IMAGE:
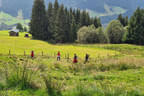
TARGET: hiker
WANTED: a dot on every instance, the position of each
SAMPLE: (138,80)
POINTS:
(75,59)
(32,54)
(58,56)
(86,58)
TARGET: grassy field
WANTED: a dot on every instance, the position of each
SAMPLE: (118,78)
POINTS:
(18,45)
(113,70)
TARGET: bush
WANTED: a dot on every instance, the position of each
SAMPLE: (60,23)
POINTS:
(91,35)
(115,32)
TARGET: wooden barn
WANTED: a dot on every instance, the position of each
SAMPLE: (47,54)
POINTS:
(14,32)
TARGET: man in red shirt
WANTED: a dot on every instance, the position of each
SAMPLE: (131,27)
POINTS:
(75,59)
(58,56)
(32,54)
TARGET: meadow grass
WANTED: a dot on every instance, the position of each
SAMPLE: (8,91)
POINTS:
(106,77)
(18,45)
(113,70)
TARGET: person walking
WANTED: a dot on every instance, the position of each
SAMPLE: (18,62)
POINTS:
(75,59)
(32,54)
(86,58)
(58,56)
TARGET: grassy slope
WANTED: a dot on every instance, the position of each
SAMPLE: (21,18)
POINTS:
(110,11)
(20,44)
(10,20)
(120,75)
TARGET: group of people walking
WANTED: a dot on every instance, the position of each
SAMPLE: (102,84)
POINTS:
(75,58)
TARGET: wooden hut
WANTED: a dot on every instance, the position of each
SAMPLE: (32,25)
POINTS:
(14,32)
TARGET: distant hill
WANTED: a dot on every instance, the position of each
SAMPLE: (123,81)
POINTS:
(7,21)
(106,9)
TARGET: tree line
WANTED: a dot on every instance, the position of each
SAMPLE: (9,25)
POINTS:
(58,24)
(21,28)
(122,30)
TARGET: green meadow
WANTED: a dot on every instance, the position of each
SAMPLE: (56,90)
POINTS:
(18,45)
(112,70)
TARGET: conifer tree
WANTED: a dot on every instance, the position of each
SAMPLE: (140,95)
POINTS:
(77,19)
(97,22)
(136,28)
(126,21)
(67,25)
(50,20)
(73,30)
(38,24)
(58,23)
(60,34)
(123,20)
(83,18)
(56,7)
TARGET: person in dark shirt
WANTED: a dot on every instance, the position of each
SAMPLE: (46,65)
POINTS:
(86,58)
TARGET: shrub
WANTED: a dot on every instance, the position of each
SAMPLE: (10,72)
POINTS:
(115,32)
(91,35)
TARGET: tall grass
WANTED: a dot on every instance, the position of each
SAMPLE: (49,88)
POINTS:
(19,73)
(64,78)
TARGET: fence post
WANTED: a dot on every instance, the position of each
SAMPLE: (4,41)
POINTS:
(68,58)
(65,56)
(42,53)
(24,53)
(9,52)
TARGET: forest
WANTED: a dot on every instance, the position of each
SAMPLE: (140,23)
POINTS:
(59,24)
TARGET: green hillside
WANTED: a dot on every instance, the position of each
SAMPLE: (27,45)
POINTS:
(109,11)
(20,44)
(112,70)
(10,20)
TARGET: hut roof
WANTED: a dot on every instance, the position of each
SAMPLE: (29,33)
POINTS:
(14,30)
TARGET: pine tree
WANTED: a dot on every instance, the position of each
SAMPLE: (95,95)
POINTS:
(123,20)
(83,18)
(67,26)
(38,24)
(136,28)
(87,21)
(97,22)
(58,23)
(60,34)
(73,30)
(126,21)
(77,19)
(56,7)
(50,21)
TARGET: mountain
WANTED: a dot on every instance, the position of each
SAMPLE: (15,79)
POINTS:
(106,9)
